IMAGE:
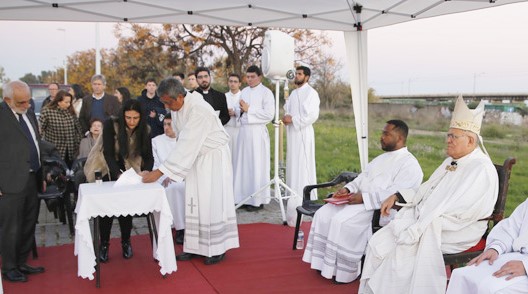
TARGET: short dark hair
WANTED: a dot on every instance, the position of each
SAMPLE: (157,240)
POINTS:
(125,93)
(306,70)
(151,80)
(400,126)
(200,69)
(234,75)
(191,74)
(254,69)
(178,74)
(167,116)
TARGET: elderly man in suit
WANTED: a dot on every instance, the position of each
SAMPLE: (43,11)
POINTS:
(99,105)
(19,163)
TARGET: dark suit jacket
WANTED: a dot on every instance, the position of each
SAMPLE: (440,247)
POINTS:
(111,107)
(14,151)
(218,101)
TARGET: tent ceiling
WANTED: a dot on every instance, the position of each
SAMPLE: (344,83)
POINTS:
(312,14)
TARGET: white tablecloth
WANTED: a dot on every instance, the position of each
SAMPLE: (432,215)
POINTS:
(105,200)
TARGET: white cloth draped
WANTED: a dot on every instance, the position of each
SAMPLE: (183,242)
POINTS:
(106,200)
(233,125)
(442,217)
(303,106)
(202,157)
(252,164)
(162,145)
(510,238)
(329,248)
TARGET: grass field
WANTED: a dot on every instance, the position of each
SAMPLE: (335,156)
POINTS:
(336,149)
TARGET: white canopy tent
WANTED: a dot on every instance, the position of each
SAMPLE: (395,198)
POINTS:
(354,18)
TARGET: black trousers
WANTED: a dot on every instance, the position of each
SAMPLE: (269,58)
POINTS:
(105,226)
(18,217)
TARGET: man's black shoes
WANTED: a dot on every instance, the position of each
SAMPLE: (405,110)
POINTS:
(103,253)
(127,250)
(14,276)
(29,270)
(185,256)
(180,235)
(214,259)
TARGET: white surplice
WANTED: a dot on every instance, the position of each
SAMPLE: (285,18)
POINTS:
(162,146)
(442,217)
(233,125)
(202,157)
(303,106)
(339,233)
(510,239)
(252,164)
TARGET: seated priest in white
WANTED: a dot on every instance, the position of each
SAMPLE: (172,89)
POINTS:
(162,145)
(502,267)
(441,217)
(339,233)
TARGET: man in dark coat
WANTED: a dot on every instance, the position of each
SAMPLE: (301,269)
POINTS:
(216,99)
(98,105)
(152,108)
(19,164)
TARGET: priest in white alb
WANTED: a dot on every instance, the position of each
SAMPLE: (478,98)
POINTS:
(201,156)
(339,233)
(441,217)
(233,107)
(301,111)
(162,145)
(252,163)
(503,265)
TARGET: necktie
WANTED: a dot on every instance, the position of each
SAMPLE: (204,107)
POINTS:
(33,154)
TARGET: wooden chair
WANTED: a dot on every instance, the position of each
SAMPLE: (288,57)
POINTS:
(309,207)
(504,172)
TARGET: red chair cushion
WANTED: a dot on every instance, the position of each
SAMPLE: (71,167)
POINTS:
(478,247)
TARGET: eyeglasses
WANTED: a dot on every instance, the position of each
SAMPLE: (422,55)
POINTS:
(453,136)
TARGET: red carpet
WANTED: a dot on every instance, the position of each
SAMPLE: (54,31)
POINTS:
(264,263)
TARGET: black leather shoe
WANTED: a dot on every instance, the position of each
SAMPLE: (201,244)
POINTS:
(180,236)
(28,270)
(254,208)
(14,276)
(214,259)
(127,250)
(103,253)
(185,256)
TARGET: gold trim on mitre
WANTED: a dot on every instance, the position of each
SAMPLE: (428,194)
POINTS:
(466,119)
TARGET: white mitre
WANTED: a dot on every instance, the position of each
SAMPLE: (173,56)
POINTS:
(467,119)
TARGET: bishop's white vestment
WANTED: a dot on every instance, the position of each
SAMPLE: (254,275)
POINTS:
(202,157)
(510,239)
(233,125)
(339,233)
(441,217)
(252,164)
(162,145)
(303,106)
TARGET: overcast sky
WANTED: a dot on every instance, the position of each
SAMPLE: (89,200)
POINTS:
(483,51)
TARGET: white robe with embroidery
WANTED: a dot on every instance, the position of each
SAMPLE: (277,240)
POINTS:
(442,217)
(252,165)
(202,157)
(233,125)
(510,238)
(339,233)
(162,146)
(303,106)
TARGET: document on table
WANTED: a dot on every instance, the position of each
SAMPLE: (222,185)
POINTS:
(128,178)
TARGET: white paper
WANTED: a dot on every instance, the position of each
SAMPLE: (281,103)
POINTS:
(128,178)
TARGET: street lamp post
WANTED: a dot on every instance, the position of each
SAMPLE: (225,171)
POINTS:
(65,60)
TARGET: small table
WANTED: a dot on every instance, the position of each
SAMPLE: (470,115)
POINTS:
(97,200)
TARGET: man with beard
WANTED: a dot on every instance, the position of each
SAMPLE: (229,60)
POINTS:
(339,233)
(216,99)
(301,111)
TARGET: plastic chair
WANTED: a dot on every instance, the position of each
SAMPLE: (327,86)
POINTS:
(309,207)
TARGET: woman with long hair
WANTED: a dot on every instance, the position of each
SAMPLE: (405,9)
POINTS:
(59,125)
(126,144)
(122,94)
(77,94)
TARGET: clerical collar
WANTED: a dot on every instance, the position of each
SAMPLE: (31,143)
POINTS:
(452,166)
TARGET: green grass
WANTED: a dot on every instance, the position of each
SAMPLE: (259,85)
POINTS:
(336,149)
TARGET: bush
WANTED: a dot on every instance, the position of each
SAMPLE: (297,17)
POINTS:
(494,131)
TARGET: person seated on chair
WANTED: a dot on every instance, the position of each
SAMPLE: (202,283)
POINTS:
(126,144)
(507,260)
(96,128)
(162,145)
(329,248)
(442,217)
